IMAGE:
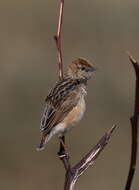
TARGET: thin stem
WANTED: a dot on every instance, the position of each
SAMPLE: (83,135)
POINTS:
(57,38)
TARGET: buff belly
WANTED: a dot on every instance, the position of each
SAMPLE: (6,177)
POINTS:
(76,114)
(72,118)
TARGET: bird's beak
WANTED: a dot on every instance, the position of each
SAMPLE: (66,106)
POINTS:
(94,69)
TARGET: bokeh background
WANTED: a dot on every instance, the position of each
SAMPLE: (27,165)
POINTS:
(99,30)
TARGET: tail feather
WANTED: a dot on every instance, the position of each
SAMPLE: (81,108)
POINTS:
(42,143)
(44,140)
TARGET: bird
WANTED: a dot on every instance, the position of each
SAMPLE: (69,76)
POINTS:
(65,104)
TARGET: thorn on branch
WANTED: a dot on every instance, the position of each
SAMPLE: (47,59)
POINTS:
(55,38)
(134,63)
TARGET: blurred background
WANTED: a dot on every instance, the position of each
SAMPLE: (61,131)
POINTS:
(99,30)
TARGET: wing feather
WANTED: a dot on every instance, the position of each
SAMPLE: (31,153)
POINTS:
(60,101)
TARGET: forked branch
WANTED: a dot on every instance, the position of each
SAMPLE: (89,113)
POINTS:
(134,127)
(73,173)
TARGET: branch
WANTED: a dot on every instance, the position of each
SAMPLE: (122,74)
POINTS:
(57,38)
(134,127)
(72,174)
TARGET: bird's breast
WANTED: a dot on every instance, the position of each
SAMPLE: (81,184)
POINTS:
(76,114)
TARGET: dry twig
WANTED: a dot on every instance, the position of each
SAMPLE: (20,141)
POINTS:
(134,127)
(57,38)
(73,173)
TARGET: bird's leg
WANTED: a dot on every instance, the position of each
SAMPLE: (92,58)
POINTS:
(63,150)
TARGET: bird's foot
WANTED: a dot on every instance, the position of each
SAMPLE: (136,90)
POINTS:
(63,150)
(63,154)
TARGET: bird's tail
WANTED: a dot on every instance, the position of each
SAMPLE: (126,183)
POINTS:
(44,140)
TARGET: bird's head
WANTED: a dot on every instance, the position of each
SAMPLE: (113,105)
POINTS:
(80,69)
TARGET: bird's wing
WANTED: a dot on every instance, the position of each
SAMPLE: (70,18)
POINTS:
(61,100)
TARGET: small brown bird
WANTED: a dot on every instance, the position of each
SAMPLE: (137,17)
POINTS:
(65,104)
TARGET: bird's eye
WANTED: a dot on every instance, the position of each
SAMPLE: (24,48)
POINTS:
(83,68)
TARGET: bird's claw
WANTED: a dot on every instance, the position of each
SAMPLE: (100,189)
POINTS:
(62,155)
